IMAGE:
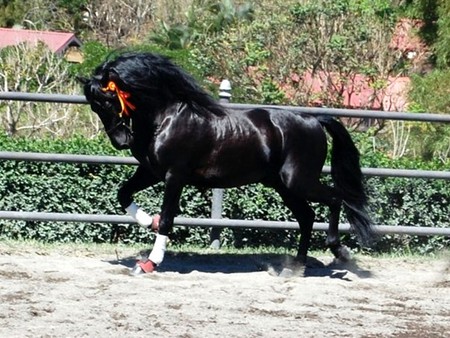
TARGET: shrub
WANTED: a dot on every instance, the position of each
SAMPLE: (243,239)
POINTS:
(86,188)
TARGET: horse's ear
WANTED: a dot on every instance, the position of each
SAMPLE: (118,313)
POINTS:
(83,80)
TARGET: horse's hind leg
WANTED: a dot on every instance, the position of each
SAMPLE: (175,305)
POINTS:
(339,251)
(314,191)
(328,196)
(305,218)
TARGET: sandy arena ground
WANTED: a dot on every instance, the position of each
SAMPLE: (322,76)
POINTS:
(52,293)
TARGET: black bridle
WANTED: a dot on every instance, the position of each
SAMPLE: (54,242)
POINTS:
(122,122)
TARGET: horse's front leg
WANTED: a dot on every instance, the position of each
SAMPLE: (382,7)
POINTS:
(169,209)
(140,180)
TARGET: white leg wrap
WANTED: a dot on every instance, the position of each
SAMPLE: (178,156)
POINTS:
(139,215)
(157,254)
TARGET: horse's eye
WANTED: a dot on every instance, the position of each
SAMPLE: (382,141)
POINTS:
(108,105)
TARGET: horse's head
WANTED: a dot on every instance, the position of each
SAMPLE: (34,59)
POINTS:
(111,104)
(142,85)
(152,82)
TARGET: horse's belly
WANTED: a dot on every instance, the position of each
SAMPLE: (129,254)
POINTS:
(215,177)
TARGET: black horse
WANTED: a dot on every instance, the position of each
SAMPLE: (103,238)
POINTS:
(182,136)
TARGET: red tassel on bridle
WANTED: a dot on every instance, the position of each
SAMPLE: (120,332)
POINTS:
(123,98)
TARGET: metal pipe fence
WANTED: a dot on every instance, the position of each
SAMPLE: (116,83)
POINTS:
(214,221)
(103,159)
(338,112)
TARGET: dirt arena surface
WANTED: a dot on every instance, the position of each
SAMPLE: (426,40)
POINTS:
(58,293)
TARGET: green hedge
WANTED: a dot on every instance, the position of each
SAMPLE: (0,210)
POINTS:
(86,188)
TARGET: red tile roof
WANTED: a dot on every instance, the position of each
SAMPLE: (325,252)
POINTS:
(357,91)
(58,42)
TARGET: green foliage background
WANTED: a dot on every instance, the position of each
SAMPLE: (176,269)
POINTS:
(85,188)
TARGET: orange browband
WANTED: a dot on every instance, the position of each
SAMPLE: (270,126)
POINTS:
(123,98)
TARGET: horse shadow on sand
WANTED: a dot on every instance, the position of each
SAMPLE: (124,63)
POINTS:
(275,264)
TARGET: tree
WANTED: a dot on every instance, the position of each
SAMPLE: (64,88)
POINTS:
(10,14)
(202,17)
(430,91)
(442,44)
(270,55)
(42,14)
(38,70)
(340,40)
(117,23)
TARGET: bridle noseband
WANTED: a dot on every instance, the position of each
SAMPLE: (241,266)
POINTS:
(121,122)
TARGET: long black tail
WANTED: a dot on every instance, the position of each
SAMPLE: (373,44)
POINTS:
(347,178)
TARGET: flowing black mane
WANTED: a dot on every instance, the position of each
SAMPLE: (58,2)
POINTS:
(157,82)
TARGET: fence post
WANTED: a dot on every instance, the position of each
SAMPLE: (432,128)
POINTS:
(217,194)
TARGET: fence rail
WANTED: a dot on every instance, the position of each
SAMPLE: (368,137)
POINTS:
(338,112)
(102,159)
(217,222)
(213,223)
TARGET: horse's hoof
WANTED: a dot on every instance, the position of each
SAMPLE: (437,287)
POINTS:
(293,267)
(344,254)
(143,267)
(292,271)
(155,223)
